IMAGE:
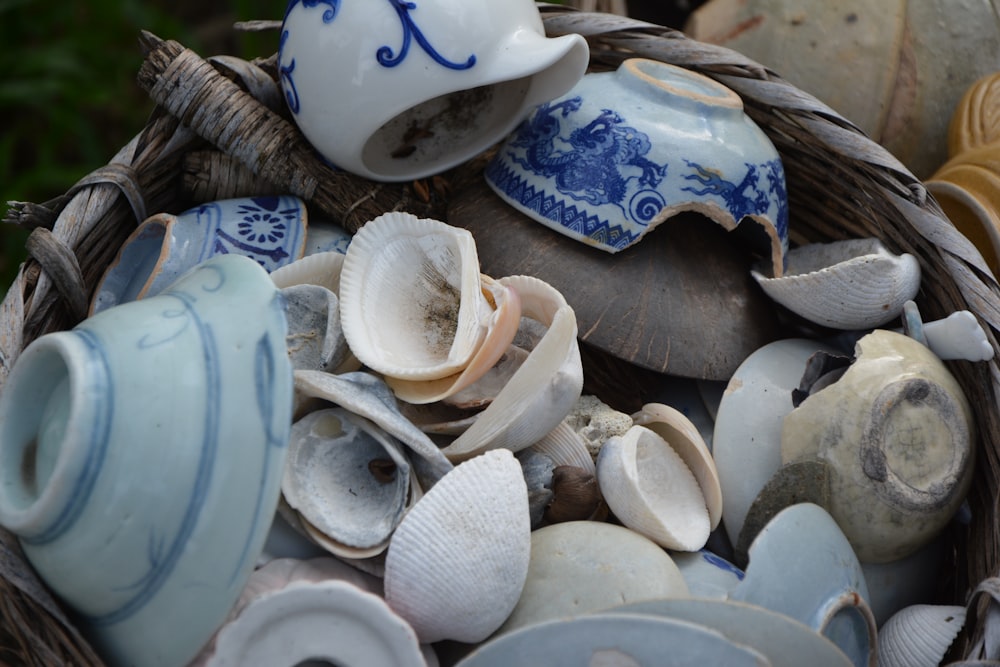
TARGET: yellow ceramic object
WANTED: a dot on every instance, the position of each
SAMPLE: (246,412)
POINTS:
(976,120)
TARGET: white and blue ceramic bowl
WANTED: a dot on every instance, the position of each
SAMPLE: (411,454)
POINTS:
(269,230)
(141,456)
(625,150)
(395,90)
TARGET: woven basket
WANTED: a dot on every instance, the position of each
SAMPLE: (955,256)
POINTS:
(220,130)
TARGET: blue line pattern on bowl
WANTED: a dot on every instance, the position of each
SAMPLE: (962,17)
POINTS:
(266,232)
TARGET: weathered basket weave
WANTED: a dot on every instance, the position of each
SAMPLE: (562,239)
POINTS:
(219,131)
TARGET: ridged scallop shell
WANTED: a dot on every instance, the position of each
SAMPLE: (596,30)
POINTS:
(542,390)
(685,439)
(565,447)
(368,396)
(651,490)
(919,635)
(321,269)
(976,119)
(459,559)
(501,326)
(347,479)
(411,299)
(850,284)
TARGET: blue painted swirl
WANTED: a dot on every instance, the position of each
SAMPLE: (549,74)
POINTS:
(385,55)
(285,74)
(646,205)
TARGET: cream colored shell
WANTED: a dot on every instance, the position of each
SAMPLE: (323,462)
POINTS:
(850,284)
(459,559)
(651,490)
(919,635)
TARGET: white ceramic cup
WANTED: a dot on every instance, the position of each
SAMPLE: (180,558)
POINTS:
(395,90)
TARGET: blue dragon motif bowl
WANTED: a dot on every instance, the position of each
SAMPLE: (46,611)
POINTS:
(623,151)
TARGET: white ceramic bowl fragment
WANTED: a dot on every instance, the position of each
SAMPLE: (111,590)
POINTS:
(395,91)
(458,560)
(802,565)
(897,431)
(625,150)
(142,454)
(746,444)
(849,284)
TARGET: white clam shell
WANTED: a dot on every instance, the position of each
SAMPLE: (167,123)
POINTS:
(368,396)
(565,447)
(411,300)
(542,390)
(685,439)
(459,559)
(347,478)
(501,326)
(321,269)
(919,635)
(482,392)
(651,490)
(849,284)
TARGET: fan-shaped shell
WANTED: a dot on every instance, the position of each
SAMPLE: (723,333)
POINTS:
(685,439)
(347,479)
(565,447)
(411,299)
(919,635)
(545,387)
(652,491)
(459,559)
(850,284)
(501,326)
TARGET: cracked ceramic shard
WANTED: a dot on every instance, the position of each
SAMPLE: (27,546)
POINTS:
(366,395)
(411,298)
(919,634)
(501,325)
(651,490)
(685,439)
(545,387)
(898,433)
(347,478)
(850,284)
(457,562)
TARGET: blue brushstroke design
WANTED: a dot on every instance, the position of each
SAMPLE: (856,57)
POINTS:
(385,55)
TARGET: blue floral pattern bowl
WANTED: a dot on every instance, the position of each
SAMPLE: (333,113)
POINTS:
(625,150)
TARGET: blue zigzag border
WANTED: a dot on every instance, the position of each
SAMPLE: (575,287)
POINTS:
(570,218)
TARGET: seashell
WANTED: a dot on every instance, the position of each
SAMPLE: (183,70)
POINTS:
(321,269)
(439,418)
(482,392)
(347,479)
(576,496)
(542,390)
(368,396)
(501,326)
(850,284)
(975,121)
(685,439)
(411,298)
(315,340)
(457,562)
(651,490)
(919,635)
(566,447)
(537,470)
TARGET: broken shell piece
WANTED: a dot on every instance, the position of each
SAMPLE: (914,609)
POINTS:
(542,390)
(685,439)
(321,269)
(566,447)
(347,478)
(919,635)
(482,392)
(458,561)
(501,326)
(366,395)
(651,490)
(315,340)
(850,284)
(411,299)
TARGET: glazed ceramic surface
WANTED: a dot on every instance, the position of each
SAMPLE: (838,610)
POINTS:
(897,431)
(801,565)
(707,575)
(142,455)
(625,150)
(394,90)
(619,640)
(270,230)
(781,639)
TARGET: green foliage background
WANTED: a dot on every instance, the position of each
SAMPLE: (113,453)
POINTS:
(68,96)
